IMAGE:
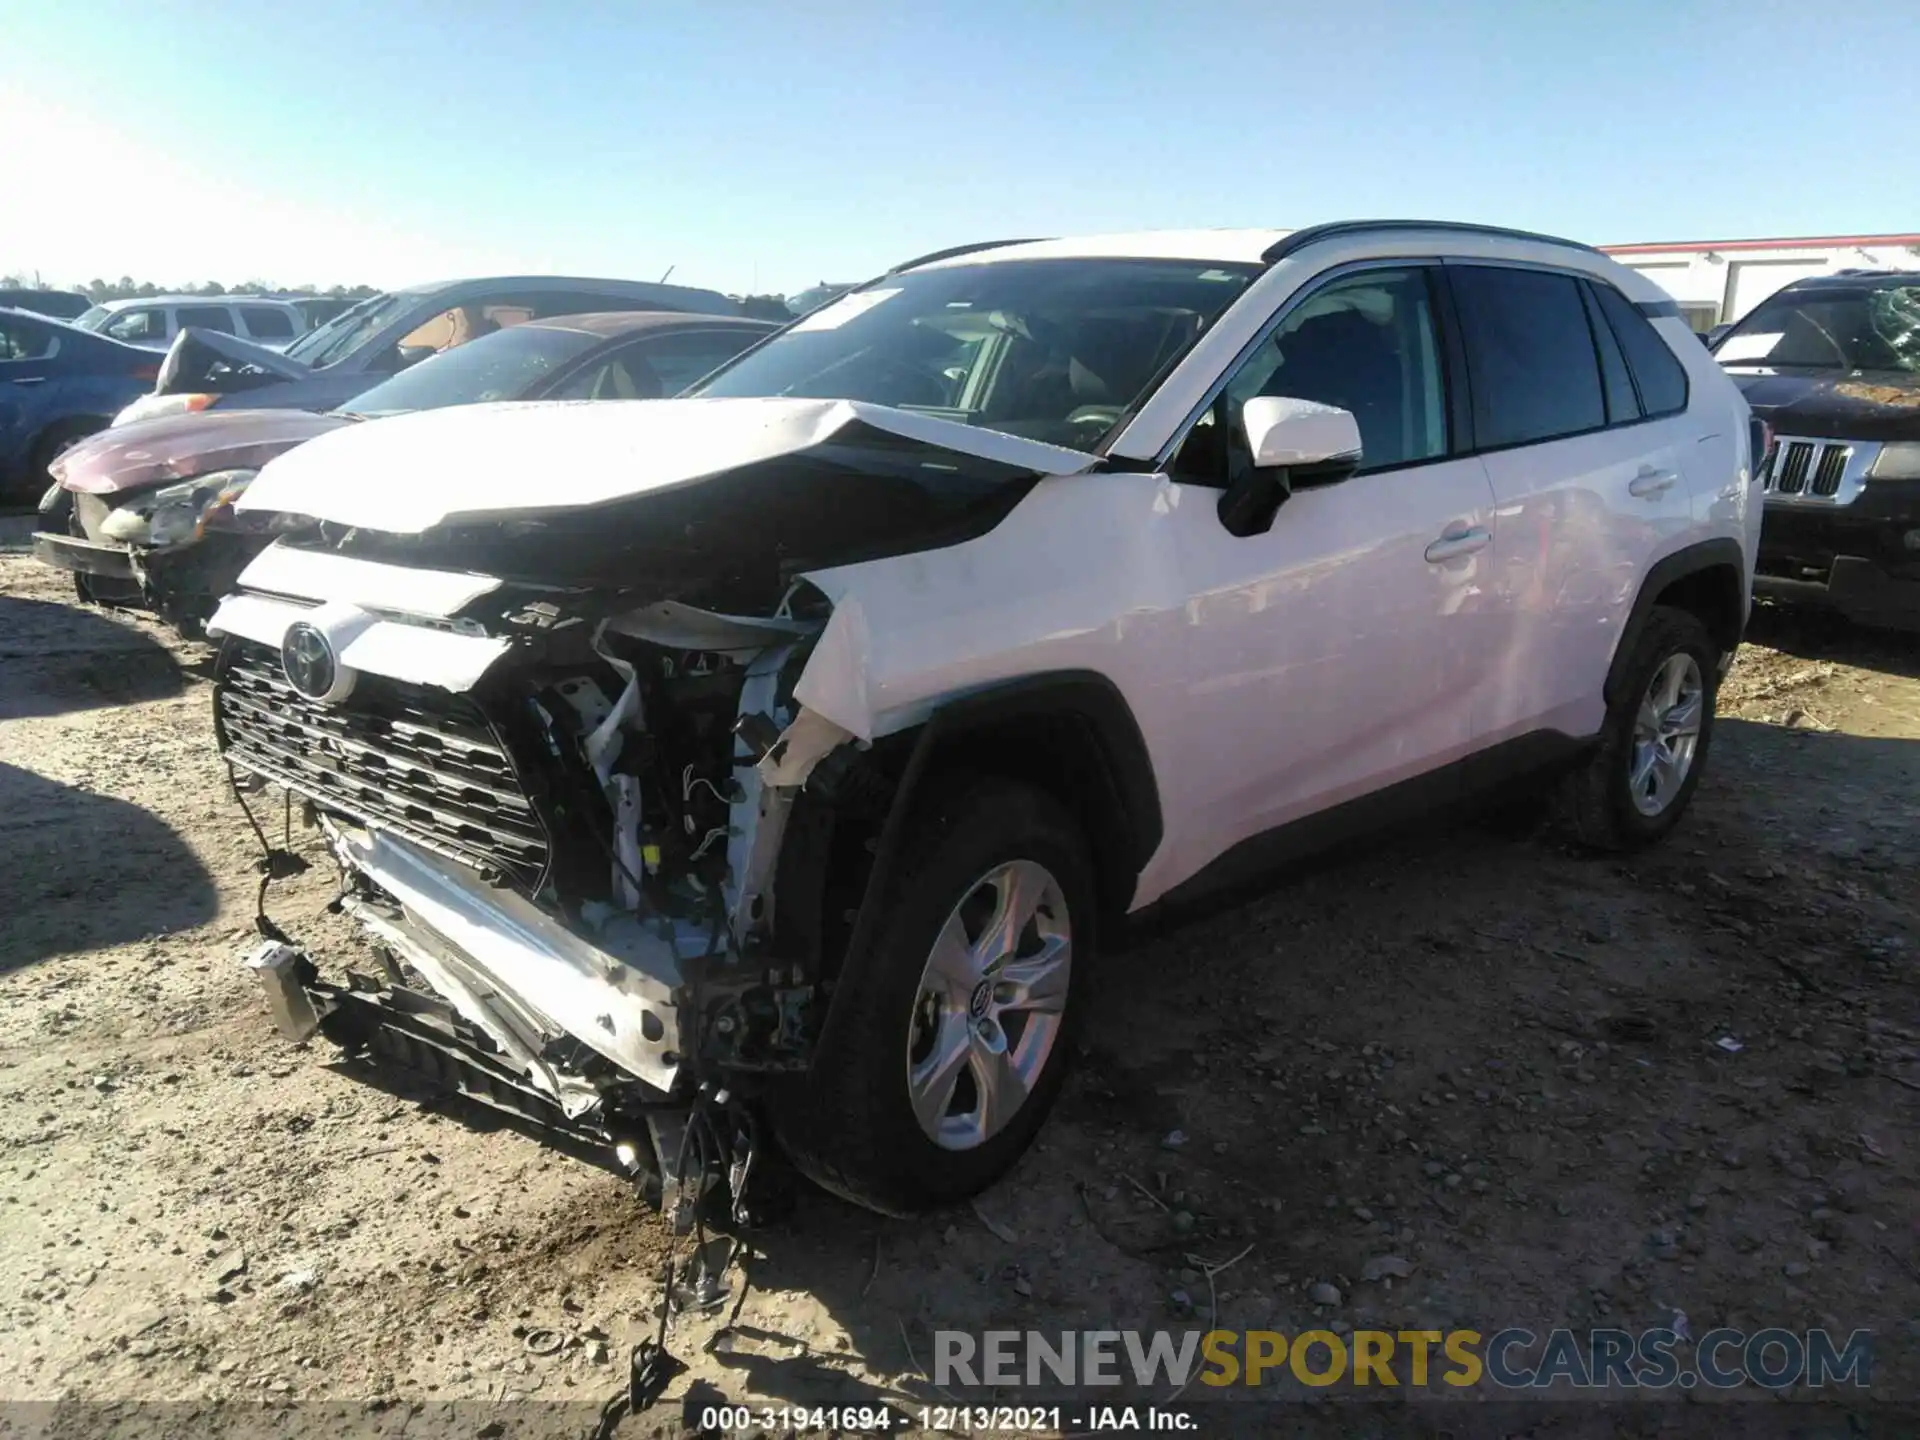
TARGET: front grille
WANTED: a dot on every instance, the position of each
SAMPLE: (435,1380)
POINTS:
(416,760)
(1826,475)
(1790,474)
(1815,470)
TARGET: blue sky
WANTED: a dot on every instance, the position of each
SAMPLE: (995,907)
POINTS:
(772,146)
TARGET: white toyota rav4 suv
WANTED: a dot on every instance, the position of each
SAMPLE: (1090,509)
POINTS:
(768,763)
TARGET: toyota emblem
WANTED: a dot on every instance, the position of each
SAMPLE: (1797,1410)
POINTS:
(307,659)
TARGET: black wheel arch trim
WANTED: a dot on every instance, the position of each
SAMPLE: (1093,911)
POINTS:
(1082,695)
(1718,553)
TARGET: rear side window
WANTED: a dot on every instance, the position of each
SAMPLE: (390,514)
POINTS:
(1623,405)
(266,322)
(1659,375)
(207,317)
(1530,354)
(21,340)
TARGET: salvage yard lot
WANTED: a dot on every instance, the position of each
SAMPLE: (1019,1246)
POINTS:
(1488,1057)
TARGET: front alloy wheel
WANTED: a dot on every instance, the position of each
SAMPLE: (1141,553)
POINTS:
(952,1028)
(990,1003)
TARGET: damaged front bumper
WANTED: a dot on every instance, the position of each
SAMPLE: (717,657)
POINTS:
(183,583)
(517,1013)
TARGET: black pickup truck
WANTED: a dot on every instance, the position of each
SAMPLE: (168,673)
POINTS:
(1833,366)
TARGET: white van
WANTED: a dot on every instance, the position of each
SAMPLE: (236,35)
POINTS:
(153,321)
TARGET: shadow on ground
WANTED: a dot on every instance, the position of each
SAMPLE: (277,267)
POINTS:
(104,872)
(57,658)
(1821,635)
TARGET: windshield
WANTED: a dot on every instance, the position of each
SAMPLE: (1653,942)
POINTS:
(502,366)
(1053,350)
(93,318)
(1876,327)
(340,335)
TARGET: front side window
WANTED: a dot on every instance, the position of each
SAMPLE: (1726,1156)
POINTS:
(1874,327)
(1531,360)
(1055,350)
(267,322)
(659,366)
(503,366)
(137,326)
(1367,343)
(205,317)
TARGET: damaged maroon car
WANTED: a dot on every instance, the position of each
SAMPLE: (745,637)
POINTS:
(143,513)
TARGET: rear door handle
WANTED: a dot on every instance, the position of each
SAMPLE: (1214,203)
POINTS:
(1650,483)
(1455,543)
(29,379)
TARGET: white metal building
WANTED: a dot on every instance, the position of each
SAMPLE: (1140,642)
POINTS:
(1721,280)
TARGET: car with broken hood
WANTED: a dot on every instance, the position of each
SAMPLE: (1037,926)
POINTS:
(384,334)
(143,513)
(1833,365)
(768,764)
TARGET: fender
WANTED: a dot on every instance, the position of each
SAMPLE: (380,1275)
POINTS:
(1091,714)
(1719,552)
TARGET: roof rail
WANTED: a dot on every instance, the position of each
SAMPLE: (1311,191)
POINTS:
(1300,239)
(956,250)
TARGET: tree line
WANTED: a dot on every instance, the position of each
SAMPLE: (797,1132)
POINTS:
(127,288)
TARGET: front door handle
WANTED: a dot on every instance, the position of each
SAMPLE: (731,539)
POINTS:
(1650,483)
(29,379)
(1455,543)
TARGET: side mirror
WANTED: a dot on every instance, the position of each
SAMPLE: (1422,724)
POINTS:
(1289,442)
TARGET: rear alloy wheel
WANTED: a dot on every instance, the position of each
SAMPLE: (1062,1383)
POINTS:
(953,1029)
(1653,746)
(1666,734)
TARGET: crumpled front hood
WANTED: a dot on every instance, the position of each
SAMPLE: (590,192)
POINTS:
(473,463)
(1860,405)
(170,448)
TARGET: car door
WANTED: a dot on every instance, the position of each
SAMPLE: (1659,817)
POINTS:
(1339,652)
(1589,487)
(29,387)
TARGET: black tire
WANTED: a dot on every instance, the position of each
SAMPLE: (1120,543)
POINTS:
(1596,803)
(848,1124)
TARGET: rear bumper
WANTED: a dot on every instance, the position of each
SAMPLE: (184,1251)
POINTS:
(84,557)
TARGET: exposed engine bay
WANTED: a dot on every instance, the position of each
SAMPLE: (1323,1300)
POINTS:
(607,954)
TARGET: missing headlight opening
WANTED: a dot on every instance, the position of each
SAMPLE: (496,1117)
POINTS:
(598,890)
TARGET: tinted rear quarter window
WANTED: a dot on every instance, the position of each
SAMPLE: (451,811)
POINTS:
(207,317)
(1661,378)
(1623,405)
(1530,355)
(266,322)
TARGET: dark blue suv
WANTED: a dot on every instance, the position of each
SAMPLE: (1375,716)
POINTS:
(57,385)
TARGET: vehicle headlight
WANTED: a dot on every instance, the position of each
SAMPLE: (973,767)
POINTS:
(1898,461)
(182,512)
(148,407)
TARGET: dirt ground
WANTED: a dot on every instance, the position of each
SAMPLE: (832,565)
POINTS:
(1565,1091)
